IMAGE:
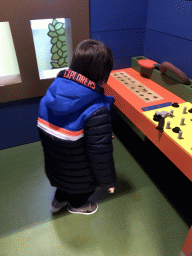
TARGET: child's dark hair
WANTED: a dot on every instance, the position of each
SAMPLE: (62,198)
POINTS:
(94,60)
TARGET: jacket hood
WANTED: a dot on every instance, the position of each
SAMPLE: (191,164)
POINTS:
(65,97)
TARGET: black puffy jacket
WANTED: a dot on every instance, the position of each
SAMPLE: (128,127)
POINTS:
(75,129)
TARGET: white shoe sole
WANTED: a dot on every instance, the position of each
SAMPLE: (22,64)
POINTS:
(85,213)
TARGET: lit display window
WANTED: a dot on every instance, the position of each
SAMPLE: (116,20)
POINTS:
(53,45)
(9,69)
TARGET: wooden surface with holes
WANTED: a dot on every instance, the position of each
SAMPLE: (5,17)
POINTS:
(139,89)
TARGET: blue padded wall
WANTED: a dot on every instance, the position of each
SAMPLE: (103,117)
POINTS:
(169,33)
(117,15)
(124,44)
(173,17)
(19,125)
(121,25)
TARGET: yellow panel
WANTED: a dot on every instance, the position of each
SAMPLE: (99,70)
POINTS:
(186,140)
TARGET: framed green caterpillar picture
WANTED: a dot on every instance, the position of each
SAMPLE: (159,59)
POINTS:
(59,44)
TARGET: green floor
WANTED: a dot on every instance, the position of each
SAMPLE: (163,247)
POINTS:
(137,220)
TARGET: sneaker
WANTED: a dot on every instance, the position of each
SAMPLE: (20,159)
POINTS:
(56,205)
(88,208)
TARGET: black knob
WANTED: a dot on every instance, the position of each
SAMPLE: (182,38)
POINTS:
(176,129)
(190,110)
(175,105)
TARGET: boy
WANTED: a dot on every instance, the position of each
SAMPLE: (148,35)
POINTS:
(74,125)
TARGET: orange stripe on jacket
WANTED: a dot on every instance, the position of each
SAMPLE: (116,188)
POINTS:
(59,129)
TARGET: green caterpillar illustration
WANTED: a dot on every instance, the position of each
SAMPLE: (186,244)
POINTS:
(59,48)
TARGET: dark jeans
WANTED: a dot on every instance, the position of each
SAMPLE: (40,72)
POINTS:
(75,200)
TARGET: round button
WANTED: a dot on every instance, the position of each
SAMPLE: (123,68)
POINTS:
(175,105)
(176,129)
